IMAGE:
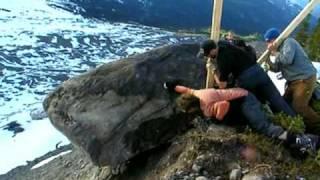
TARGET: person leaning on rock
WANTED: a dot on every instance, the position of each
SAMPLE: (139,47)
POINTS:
(293,62)
(230,37)
(219,104)
(247,73)
(240,43)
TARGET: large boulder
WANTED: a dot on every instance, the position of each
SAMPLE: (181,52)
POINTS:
(120,109)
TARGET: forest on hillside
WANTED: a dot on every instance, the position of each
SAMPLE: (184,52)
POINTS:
(310,39)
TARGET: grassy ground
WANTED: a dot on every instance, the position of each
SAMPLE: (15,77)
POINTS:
(207,31)
(270,156)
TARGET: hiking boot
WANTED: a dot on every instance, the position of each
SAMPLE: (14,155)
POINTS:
(307,143)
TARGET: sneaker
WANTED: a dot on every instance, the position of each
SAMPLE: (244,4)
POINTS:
(307,143)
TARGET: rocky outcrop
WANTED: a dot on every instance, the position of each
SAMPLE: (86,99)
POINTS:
(72,165)
(121,109)
(95,109)
(218,152)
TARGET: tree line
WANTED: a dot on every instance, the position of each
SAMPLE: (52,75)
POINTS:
(310,38)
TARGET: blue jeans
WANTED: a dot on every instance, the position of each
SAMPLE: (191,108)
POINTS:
(257,118)
(259,83)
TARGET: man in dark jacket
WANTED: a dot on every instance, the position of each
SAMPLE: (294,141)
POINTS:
(248,74)
(240,43)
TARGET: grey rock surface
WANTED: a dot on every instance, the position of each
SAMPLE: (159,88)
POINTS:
(38,114)
(235,174)
(120,109)
(201,178)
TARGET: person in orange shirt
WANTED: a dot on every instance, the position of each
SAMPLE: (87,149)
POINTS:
(214,102)
(218,103)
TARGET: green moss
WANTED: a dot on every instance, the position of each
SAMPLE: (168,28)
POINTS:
(271,154)
(264,144)
(315,105)
(247,38)
(292,124)
(274,154)
(207,31)
(317,158)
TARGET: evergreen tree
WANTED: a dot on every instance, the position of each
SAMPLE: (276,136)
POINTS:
(314,43)
(303,33)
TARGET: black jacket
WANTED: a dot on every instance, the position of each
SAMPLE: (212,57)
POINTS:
(232,60)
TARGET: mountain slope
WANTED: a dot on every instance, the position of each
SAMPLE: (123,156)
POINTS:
(302,3)
(40,47)
(241,16)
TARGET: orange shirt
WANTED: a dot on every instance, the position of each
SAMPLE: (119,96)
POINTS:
(214,102)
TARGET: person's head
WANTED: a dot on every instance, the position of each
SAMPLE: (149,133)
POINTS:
(188,103)
(208,49)
(271,35)
(230,36)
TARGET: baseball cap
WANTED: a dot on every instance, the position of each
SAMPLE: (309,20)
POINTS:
(271,33)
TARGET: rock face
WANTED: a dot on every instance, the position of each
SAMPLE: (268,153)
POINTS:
(121,109)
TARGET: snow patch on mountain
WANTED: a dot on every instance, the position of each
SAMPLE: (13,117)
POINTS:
(300,2)
(303,3)
(271,1)
(120,1)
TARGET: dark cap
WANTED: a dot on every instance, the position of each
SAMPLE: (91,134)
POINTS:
(206,47)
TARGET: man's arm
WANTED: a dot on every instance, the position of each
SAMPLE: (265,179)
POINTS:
(230,94)
(224,69)
(221,84)
(273,66)
(220,109)
(287,52)
(183,89)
